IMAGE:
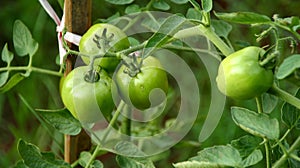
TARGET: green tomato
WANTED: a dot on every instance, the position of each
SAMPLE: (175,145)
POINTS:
(241,77)
(113,39)
(147,89)
(87,100)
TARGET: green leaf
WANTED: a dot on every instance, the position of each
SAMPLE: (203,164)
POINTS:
(166,31)
(246,144)
(256,124)
(129,162)
(161,5)
(221,28)
(3,78)
(23,42)
(194,14)
(13,81)
(244,17)
(119,2)
(132,9)
(180,1)
(269,102)
(290,114)
(6,55)
(207,5)
(33,158)
(289,65)
(133,41)
(61,120)
(255,157)
(195,164)
(220,155)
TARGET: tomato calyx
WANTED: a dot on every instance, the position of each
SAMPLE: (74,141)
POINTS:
(103,41)
(268,59)
(133,65)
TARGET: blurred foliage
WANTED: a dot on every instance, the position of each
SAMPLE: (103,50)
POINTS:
(41,91)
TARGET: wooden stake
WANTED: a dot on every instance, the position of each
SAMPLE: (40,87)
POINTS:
(77,20)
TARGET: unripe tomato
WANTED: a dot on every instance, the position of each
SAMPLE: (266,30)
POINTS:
(112,37)
(150,85)
(240,75)
(87,100)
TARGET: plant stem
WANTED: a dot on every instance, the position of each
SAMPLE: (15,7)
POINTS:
(259,104)
(111,123)
(267,153)
(34,69)
(282,138)
(216,40)
(295,157)
(295,145)
(287,29)
(285,96)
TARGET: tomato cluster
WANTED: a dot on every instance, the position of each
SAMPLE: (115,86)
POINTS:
(86,92)
(240,75)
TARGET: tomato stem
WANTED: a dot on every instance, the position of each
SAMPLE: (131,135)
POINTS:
(31,68)
(281,161)
(267,153)
(216,40)
(259,104)
(285,96)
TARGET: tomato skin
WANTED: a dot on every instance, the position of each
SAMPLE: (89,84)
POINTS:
(136,90)
(118,42)
(241,77)
(85,100)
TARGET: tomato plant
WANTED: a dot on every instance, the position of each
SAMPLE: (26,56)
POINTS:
(136,89)
(87,100)
(182,53)
(241,76)
(101,38)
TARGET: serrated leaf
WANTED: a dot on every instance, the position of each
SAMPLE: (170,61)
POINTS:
(134,8)
(207,5)
(195,164)
(289,65)
(130,162)
(269,102)
(166,31)
(246,144)
(244,17)
(194,14)
(221,28)
(180,1)
(23,42)
(3,78)
(61,120)
(119,2)
(161,5)
(6,55)
(290,115)
(33,158)
(253,158)
(13,81)
(256,124)
(220,155)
